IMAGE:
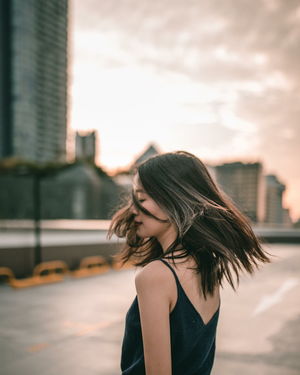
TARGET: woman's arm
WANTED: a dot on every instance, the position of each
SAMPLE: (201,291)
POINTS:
(154,303)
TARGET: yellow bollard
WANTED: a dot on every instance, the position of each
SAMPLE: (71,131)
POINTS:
(43,273)
(93,265)
(50,268)
(8,273)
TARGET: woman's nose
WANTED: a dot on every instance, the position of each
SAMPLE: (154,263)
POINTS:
(134,210)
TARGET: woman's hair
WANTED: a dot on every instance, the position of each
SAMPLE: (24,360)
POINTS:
(210,228)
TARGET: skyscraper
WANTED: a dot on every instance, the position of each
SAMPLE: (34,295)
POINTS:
(33,87)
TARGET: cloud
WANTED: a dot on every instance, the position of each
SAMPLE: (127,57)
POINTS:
(242,54)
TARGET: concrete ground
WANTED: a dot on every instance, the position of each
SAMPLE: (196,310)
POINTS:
(75,327)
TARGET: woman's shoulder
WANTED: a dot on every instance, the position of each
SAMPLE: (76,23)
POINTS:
(154,275)
(154,270)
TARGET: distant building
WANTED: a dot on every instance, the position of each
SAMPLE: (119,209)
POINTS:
(124,177)
(33,91)
(286,218)
(275,213)
(274,191)
(76,191)
(16,196)
(245,185)
(79,192)
(151,150)
(297,224)
(85,146)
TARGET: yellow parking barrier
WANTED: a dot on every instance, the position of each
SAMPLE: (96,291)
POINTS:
(90,266)
(7,273)
(34,281)
(50,268)
(54,271)
(43,273)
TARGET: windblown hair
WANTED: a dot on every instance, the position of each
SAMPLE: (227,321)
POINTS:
(210,227)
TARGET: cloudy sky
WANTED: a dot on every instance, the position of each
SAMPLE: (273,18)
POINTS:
(220,79)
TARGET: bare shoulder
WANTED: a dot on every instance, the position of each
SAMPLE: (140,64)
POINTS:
(153,275)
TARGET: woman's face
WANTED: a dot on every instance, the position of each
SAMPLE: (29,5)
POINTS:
(146,225)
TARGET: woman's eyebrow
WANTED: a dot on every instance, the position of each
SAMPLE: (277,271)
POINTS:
(139,191)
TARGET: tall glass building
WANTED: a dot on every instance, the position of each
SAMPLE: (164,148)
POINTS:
(33,79)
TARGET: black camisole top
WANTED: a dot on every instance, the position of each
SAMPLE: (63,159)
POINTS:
(193,342)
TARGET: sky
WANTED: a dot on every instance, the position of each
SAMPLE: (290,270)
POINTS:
(220,79)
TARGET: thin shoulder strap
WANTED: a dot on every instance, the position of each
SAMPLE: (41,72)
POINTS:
(171,268)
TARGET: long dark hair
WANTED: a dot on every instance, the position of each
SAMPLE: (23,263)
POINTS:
(210,228)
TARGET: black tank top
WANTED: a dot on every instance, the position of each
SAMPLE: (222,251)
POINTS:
(192,341)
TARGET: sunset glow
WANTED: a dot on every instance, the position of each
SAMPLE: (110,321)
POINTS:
(159,75)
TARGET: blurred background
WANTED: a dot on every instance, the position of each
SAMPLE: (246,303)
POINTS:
(88,90)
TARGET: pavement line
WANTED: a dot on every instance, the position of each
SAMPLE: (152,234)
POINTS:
(86,328)
(95,327)
(272,299)
(37,347)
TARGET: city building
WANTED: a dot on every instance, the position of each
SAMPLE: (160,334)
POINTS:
(244,184)
(124,177)
(33,91)
(286,218)
(85,146)
(151,150)
(275,213)
(72,191)
(80,191)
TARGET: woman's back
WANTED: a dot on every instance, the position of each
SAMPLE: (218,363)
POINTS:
(193,324)
(190,282)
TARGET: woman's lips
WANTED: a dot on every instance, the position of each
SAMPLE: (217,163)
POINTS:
(138,222)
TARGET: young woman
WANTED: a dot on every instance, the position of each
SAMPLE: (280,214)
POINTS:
(188,236)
